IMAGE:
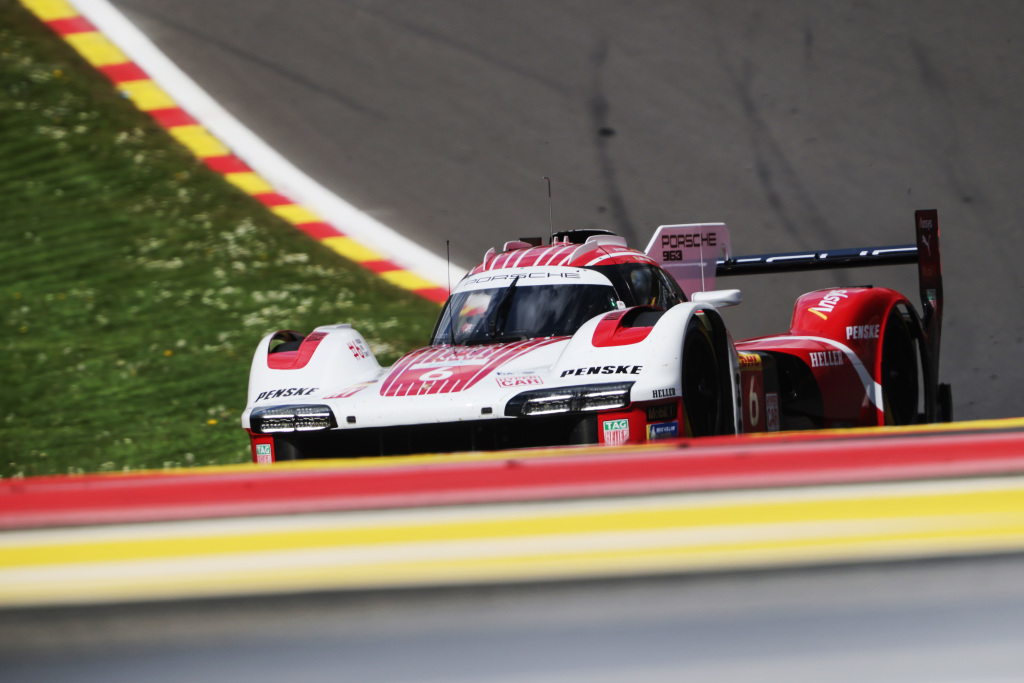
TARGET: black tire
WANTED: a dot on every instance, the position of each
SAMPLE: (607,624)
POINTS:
(702,389)
(286,449)
(899,372)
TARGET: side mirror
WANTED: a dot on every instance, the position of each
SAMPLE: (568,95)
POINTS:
(718,297)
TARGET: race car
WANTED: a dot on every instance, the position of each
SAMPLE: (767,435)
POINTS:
(585,340)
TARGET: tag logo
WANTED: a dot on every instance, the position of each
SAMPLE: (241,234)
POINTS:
(616,432)
(263,453)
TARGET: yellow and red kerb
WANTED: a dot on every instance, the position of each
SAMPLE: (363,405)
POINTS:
(137,86)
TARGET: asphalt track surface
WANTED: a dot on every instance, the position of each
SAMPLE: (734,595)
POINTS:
(800,124)
(935,621)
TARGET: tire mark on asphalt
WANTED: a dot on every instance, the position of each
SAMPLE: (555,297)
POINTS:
(784,191)
(292,75)
(464,48)
(956,158)
(603,131)
(935,84)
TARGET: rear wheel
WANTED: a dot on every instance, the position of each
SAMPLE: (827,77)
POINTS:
(702,389)
(899,372)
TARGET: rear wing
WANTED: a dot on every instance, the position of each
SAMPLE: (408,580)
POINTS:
(925,253)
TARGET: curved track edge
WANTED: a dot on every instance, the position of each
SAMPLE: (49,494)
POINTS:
(144,75)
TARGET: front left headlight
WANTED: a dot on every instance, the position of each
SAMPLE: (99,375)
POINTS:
(575,399)
(300,418)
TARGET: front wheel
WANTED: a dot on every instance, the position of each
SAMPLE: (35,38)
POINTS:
(702,389)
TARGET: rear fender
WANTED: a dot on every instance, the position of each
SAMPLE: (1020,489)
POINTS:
(852,316)
(856,320)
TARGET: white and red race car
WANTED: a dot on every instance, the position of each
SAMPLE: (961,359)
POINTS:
(585,340)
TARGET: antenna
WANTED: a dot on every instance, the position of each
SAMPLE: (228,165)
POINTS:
(448,270)
(451,321)
(703,287)
(551,225)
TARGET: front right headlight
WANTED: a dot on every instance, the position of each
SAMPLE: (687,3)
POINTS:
(575,399)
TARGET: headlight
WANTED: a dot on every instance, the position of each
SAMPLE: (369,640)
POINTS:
(304,418)
(577,399)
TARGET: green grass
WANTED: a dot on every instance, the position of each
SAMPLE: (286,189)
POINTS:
(136,283)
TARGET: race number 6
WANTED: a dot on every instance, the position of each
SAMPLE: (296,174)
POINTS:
(436,375)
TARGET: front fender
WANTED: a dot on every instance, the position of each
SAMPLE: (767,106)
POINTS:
(329,358)
(648,352)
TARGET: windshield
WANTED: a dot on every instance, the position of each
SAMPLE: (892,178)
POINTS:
(511,312)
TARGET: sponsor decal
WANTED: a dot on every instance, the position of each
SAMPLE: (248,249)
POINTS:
(863,331)
(616,432)
(264,454)
(663,430)
(672,245)
(829,302)
(512,380)
(664,393)
(689,241)
(285,393)
(605,370)
(666,411)
(359,349)
(827,359)
(750,361)
(771,400)
(518,276)
(926,238)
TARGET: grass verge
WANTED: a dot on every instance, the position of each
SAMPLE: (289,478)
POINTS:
(136,282)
